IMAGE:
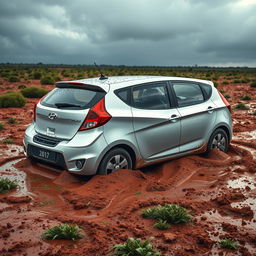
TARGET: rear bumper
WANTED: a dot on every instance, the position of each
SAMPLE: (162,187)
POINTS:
(75,149)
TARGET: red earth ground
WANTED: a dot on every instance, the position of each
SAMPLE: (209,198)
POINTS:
(218,189)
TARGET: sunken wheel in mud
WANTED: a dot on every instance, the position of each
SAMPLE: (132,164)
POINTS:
(114,160)
(219,140)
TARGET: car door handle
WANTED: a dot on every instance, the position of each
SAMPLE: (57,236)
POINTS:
(174,118)
(210,109)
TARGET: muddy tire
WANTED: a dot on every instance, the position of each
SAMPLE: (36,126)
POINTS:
(219,140)
(114,160)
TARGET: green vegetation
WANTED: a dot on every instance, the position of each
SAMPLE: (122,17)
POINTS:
(12,99)
(13,79)
(1,126)
(22,86)
(136,247)
(246,97)
(7,185)
(229,244)
(12,120)
(34,92)
(227,96)
(254,113)
(7,141)
(241,106)
(47,80)
(171,213)
(63,231)
(225,82)
(162,224)
(253,84)
(36,75)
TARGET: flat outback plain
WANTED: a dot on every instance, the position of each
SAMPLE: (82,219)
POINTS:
(218,191)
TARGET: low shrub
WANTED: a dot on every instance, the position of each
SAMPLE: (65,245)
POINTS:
(171,213)
(47,80)
(36,75)
(246,97)
(227,96)
(253,84)
(12,99)
(241,106)
(7,185)
(1,126)
(12,120)
(63,231)
(136,247)
(13,79)
(34,92)
(225,82)
(22,86)
(229,244)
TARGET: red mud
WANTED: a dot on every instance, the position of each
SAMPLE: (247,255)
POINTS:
(218,189)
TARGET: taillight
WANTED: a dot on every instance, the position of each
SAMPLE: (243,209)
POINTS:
(97,116)
(34,112)
(225,102)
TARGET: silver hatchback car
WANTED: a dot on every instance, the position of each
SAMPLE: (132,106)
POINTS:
(100,125)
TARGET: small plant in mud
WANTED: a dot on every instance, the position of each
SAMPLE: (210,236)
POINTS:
(162,224)
(246,97)
(1,126)
(229,244)
(136,247)
(227,96)
(7,141)
(12,120)
(7,185)
(253,84)
(63,231)
(171,213)
(241,106)
(34,92)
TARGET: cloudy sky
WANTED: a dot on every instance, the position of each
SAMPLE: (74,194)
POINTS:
(129,32)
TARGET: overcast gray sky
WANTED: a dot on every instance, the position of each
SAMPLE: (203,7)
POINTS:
(129,32)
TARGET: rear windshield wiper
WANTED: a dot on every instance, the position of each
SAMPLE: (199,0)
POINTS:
(66,105)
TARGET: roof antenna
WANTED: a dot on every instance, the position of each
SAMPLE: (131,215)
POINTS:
(102,77)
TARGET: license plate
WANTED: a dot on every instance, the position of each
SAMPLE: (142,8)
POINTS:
(44,154)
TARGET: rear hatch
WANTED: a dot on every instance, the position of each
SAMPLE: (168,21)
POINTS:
(61,113)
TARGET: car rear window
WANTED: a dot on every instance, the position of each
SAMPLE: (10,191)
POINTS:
(72,98)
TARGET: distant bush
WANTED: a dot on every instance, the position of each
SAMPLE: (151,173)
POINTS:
(254,113)
(13,79)
(241,106)
(1,126)
(36,75)
(22,86)
(225,82)
(253,84)
(12,99)
(246,97)
(12,120)
(47,80)
(34,92)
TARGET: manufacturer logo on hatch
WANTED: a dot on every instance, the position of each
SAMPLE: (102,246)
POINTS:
(52,115)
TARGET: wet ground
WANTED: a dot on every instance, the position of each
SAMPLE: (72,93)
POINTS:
(218,189)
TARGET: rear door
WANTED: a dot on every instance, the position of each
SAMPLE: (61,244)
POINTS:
(156,122)
(197,113)
(61,113)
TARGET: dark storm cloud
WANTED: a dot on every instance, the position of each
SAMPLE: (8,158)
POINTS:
(144,32)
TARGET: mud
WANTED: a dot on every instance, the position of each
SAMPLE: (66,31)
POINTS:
(218,189)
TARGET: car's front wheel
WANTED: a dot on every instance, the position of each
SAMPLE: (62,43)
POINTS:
(114,160)
(219,140)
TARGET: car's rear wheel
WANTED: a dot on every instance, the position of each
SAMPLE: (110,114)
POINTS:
(114,160)
(219,140)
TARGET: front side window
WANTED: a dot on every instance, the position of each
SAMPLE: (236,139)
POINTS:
(150,96)
(188,94)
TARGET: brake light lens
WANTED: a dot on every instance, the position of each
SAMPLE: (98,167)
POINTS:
(225,102)
(97,116)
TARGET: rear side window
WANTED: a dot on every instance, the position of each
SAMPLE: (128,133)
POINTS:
(150,96)
(207,90)
(72,98)
(188,94)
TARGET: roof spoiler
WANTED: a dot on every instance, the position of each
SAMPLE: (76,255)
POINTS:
(77,85)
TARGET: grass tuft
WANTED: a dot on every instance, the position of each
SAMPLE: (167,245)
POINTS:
(1,126)
(12,120)
(63,231)
(171,213)
(241,106)
(246,97)
(7,185)
(162,224)
(229,244)
(136,247)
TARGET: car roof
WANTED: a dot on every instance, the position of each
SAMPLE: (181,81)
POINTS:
(115,82)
